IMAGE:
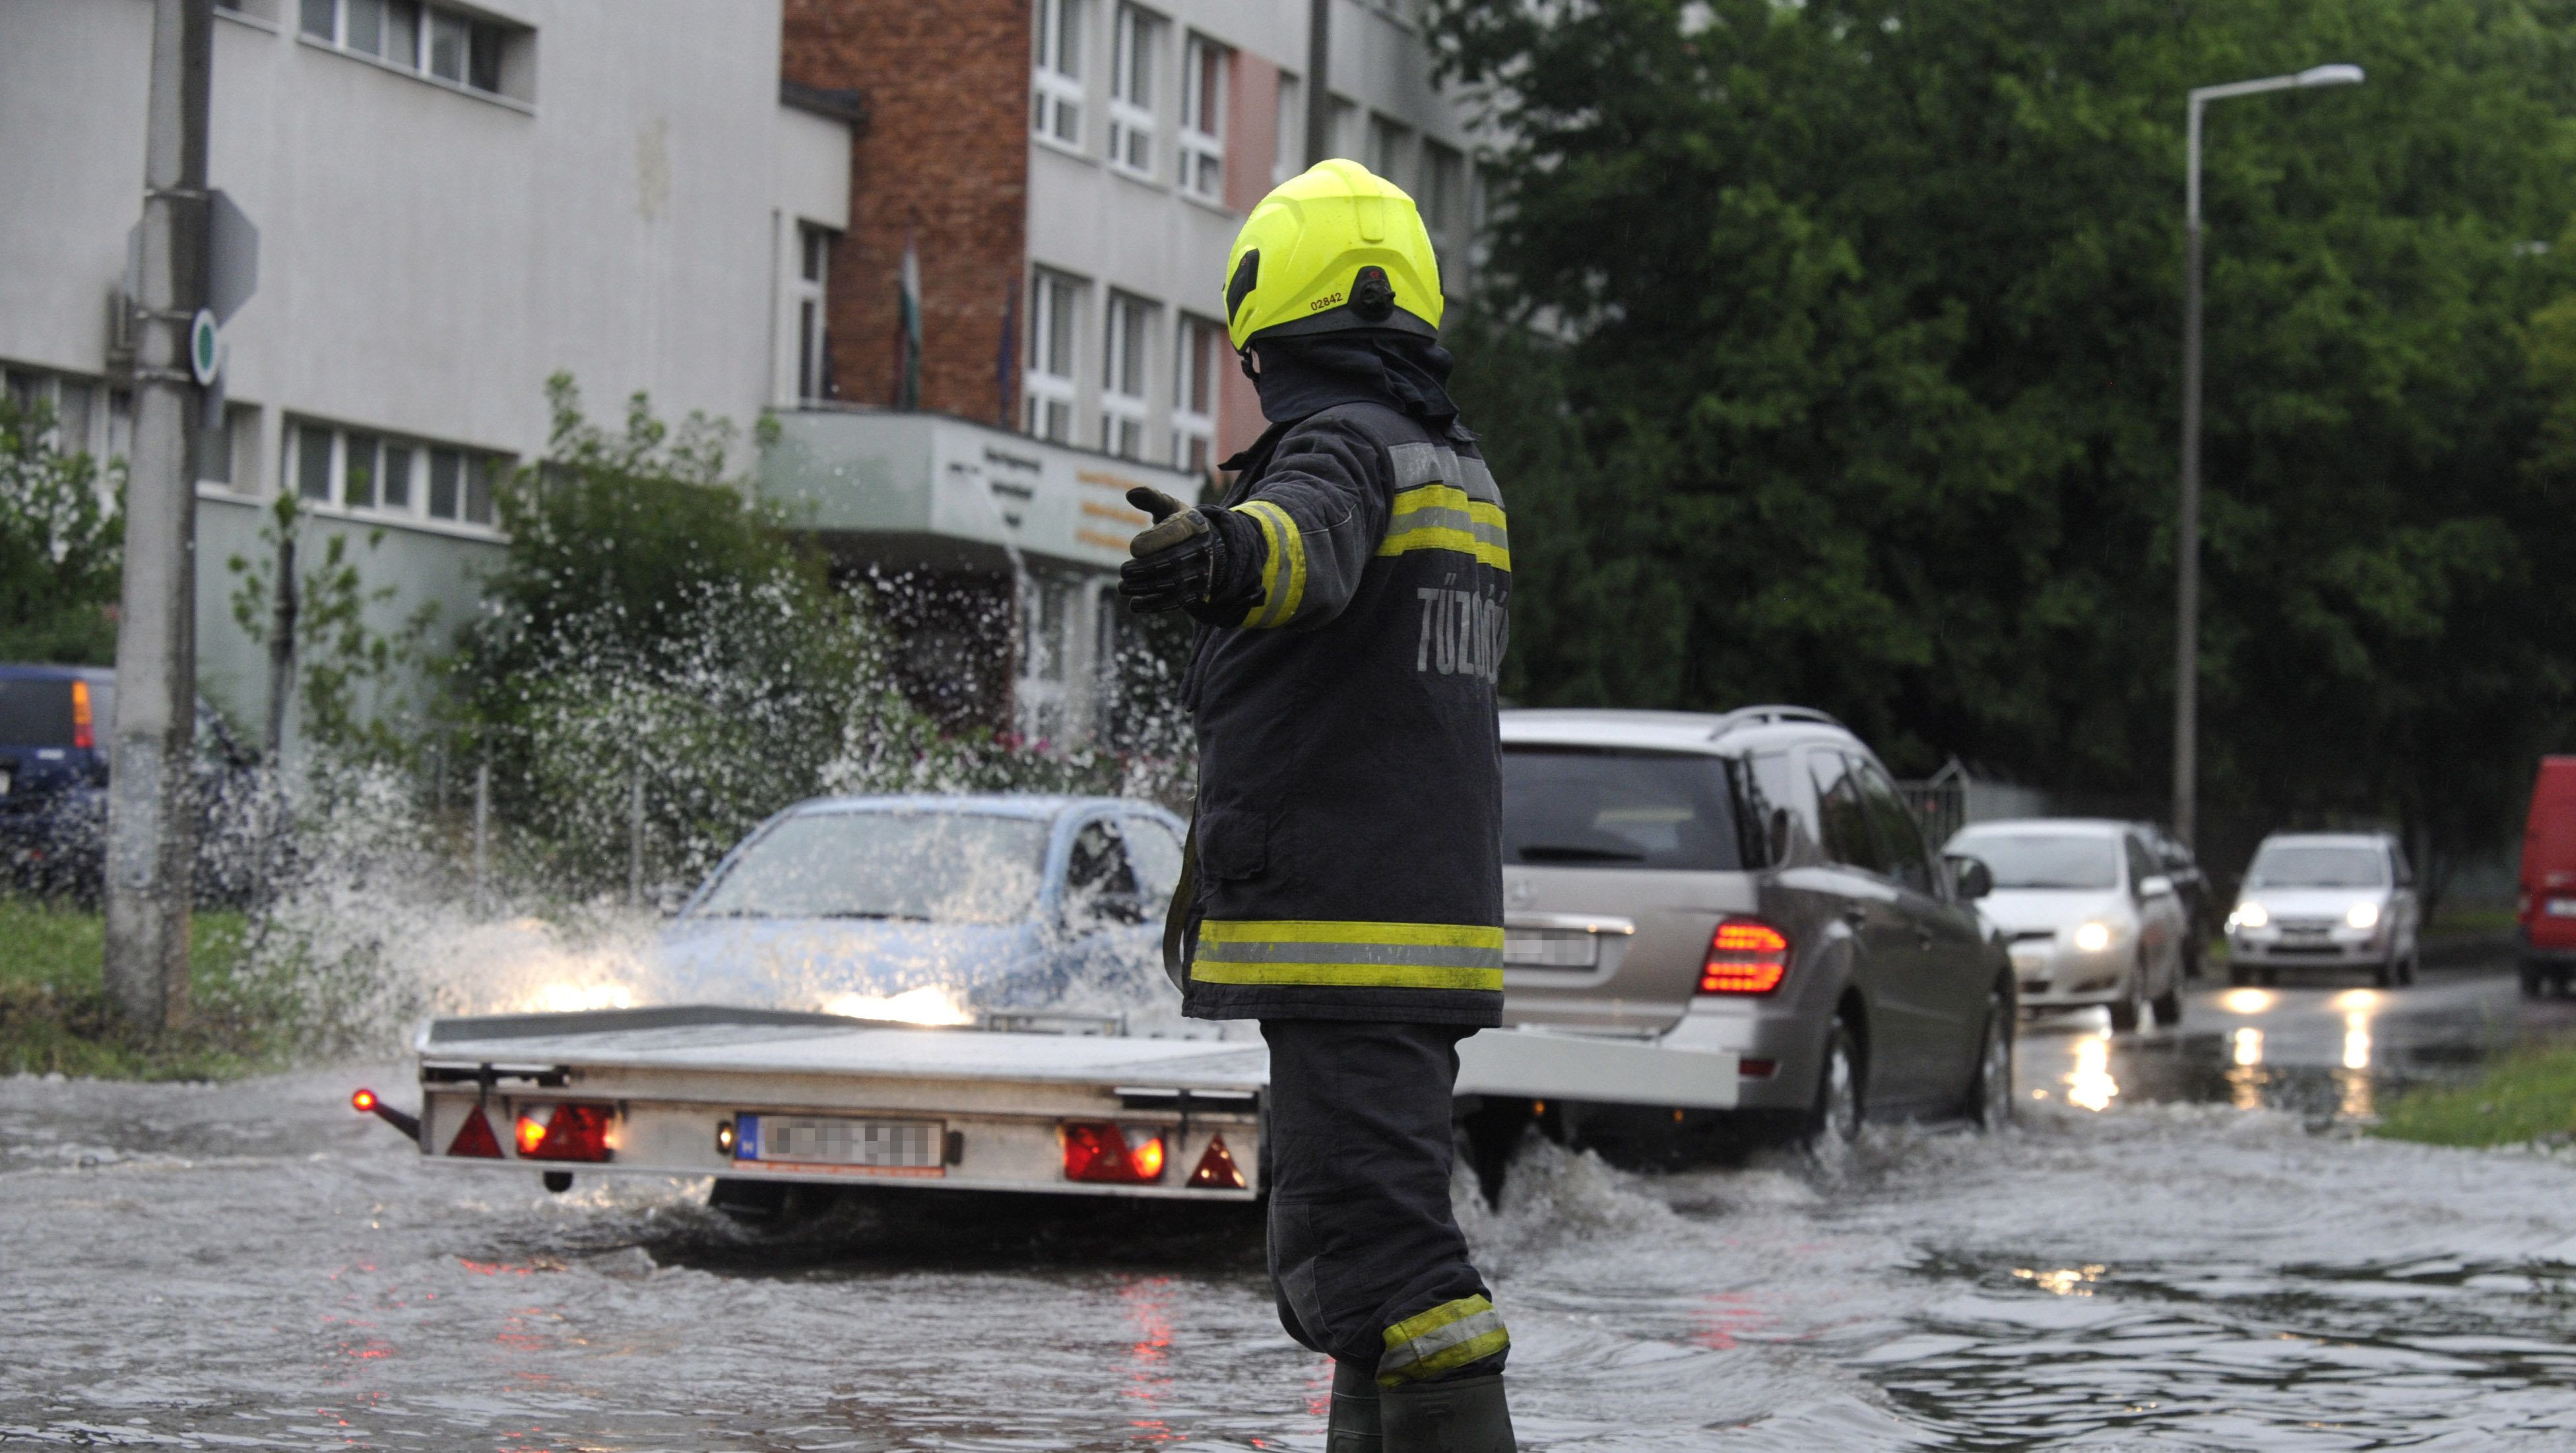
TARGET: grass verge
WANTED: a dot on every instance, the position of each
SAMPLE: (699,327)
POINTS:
(2528,1096)
(55,1016)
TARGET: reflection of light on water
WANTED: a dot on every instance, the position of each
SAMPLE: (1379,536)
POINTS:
(2090,1084)
(1149,1381)
(2246,1079)
(2356,1095)
(2067,1281)
(2356,1040)
(2245,1001)
(565,998)
(2357,1001)
(929,1004)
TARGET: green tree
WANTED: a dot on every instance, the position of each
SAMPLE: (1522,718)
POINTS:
(1856,372)
(62,536)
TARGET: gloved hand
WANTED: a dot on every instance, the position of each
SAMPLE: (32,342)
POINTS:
(1178,561)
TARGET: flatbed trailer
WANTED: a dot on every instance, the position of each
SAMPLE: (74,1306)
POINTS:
(1026,1103)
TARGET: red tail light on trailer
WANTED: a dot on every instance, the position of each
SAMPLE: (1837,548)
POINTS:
(1095,1150)
(1745,956)
(574,1131)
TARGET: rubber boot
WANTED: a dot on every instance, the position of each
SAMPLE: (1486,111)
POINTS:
(1353,1427)
(1462,1415)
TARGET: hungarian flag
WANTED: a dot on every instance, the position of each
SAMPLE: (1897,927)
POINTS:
(907,328)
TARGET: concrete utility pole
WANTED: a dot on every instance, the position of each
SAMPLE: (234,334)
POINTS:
(2186,760)
(1319,81)
(150,825)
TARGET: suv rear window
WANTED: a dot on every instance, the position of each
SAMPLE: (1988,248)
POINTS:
(1590,808)
(36,713)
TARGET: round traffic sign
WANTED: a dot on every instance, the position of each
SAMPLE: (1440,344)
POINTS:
(205,347)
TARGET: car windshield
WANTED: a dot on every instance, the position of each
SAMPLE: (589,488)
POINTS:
(937,867)
(38,713)
(1584,807)
(2283,865)
(2044,860)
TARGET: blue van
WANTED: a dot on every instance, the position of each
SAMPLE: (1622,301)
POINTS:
(54,726)
(53,731)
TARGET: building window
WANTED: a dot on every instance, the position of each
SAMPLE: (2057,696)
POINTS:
(1290,157)
(813,329)
(461,49)
(1390,151)
(1196,358)
(1342,135)
(1131,90)
(1443,199)
(1122,377)
(1055,306)
(1055,86)
(359,471)
(1203,68)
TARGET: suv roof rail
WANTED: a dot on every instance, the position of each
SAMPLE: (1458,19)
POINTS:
(1745,716)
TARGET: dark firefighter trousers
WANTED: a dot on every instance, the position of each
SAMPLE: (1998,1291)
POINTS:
(1367,1259)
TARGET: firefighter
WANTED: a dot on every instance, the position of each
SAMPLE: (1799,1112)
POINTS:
(1344,878)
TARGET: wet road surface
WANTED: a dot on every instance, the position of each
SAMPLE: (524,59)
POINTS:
(2186,1245)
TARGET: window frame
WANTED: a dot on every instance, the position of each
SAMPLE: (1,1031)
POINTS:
(1200,152)
(1135,50)
(1049,398)
(1198,347)
(810,291)
(474,487)
(483,69)
(1126,355)
(1055,72)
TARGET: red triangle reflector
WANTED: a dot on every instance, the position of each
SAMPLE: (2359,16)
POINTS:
(1217,1170)
(475,1137)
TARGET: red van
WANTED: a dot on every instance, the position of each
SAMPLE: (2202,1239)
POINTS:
(2547,906)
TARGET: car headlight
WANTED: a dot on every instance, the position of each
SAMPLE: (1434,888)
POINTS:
(2362,915)
(2248,914)
(2093,937)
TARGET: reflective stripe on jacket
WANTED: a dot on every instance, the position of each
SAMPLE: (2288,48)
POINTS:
(1349,826)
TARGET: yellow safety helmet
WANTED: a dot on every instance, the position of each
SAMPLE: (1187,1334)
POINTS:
(1337,247)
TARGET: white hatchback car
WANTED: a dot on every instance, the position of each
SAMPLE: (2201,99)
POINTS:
(2086,912)
(2326,900)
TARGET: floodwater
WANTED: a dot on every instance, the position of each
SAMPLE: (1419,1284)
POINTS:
(2185,1245)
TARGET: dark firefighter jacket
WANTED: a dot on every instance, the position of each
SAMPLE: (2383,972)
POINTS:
(1349,825)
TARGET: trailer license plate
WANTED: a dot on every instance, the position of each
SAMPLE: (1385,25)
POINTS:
(1540,949)
(840,1143)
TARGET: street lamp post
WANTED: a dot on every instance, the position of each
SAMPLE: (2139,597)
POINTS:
(2186,760)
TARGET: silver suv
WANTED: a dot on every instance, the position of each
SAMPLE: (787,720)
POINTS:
(1749,882)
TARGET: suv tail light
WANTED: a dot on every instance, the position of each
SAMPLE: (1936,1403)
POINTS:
(1095,1150)
(1745,956)
(84,727)
(573,1132)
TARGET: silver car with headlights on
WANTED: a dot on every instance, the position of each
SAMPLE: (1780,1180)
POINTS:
(2317,900)
(1748,882)
(2087,912)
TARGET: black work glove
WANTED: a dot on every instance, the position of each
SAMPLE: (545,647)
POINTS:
(1178,561)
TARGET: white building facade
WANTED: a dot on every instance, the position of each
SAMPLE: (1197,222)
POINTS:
(454,204)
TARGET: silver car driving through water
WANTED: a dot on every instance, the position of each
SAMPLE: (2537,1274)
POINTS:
(2325,900)
(2087,913)
(1748,882)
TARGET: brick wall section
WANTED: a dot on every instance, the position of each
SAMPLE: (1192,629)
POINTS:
(1251,150)
(946,152)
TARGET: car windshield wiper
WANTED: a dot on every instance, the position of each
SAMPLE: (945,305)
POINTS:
(1570,853)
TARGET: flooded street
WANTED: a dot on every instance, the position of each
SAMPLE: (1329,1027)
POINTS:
(2186,1245)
